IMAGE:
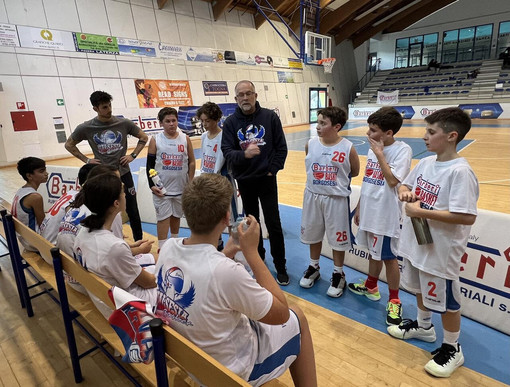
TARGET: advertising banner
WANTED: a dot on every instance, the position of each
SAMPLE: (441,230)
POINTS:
(218,56)
(285,77)
(8,35)
(60,180)
(171,51)
(215,87)
(46,39)
(162,93)
(244,58)
(135,47)
(280,62)
(265,61)
(387,98)
(100,44)
(295,63)
(195,54)
(230,57)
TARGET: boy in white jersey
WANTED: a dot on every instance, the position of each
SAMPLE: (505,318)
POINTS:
(379,211)
(171,155)
(212,156)
(331,161)
(27,204)
(442,189)
(243,322)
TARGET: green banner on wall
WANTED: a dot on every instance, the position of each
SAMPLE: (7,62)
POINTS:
(100,44)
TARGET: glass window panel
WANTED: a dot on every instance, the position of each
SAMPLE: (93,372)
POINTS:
(401,52)
(322,98)
(450,41)
(465,47)
(314,99)
(483,37)
(503,37)
(429,48)
(416,39)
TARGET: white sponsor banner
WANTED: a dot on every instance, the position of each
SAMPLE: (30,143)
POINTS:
(172,51)
(245,58)
(387,98)
(60,180)
(8,35)
(280,62)
(423,111)
(361,113)
(46,38)
(484,272)
(136,47)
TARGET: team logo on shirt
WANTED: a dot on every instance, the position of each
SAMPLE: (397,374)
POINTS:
(172,300)
(373,173)
(208,163)
(172,162)
(427,192)
(71,221)
(254,135)
(108,142)
(324,174)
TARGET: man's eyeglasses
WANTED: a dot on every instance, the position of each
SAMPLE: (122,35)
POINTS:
(247,94)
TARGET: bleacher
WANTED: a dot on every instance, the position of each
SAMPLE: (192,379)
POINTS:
(452,82)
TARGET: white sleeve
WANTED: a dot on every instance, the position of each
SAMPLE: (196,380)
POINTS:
(463,192)
(401,165)
(242,292)
(121,264)
(117,226)
(410,179)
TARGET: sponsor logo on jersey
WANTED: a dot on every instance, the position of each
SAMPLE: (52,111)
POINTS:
(373,173)
(172,300)
(427,192)
(324,174)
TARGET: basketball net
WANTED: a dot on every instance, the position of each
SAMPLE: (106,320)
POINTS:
(328,64)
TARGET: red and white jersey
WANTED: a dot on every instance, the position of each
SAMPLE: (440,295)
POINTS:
(172,162)
(328,169)
(212,156)
(51,223)
(449,186)
(24,214)
(380,209)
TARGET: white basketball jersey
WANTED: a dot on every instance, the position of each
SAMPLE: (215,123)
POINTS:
(328,168)
(172,162)
(51,223)
(212,156)
(23,214)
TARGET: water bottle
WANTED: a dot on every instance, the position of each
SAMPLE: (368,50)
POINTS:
(421,230)
(233,231)
(157,180)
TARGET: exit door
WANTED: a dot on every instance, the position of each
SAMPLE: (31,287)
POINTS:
(318,98)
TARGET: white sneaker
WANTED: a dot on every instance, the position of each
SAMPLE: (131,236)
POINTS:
(336,289)
(309,277)
(446,359)
(409,329)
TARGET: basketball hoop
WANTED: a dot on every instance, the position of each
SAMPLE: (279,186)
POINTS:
(328,64)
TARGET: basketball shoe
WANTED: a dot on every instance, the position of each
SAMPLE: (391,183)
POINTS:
(336,289)
(447,359)
(409,329)
(361,290)
(394,312)
(309,277)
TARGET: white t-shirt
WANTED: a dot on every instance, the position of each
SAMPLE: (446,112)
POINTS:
(380,209)
(24,214)
(51,223)
(110,258)
(328,169)
(212,156)
(451,186)
(172,162)
(210,299)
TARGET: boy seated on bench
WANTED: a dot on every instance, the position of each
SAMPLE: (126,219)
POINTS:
(243,322)
(27,205)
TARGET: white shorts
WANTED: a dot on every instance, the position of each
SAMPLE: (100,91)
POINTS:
(168,206)
(380,247)
(278,347)
(326,214)
(438,294)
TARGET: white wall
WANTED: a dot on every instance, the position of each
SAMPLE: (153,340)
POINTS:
(39,77)
(463,13)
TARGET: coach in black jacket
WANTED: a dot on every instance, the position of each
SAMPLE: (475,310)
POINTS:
(254,145)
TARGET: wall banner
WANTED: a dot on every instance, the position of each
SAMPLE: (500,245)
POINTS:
(195,54)
(215,88)
(245,58)
(60,180)
(285,77)
(172,51)
(265,61)
(8,35)
(100,44)
(46,39)
(280,62)
(384,98)
(295,63)
(162,93)
(136,47)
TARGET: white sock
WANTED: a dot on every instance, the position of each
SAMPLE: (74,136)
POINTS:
(174,235)
(338,269)
(424,318)
(451,337)
(314,263)
(161,242)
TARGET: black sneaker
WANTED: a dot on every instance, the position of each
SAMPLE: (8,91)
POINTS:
(282,277)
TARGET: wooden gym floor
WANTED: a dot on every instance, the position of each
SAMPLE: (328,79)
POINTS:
(33,352)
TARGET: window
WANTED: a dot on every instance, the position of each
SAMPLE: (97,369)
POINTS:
(503,37)
(450,42)
(401,52)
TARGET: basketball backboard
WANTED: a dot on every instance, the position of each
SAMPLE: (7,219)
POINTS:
(317,47)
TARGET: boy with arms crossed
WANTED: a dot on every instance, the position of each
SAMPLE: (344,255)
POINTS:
(330,163)
(443,189)
(171,155)
(379,211)
(243,322)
